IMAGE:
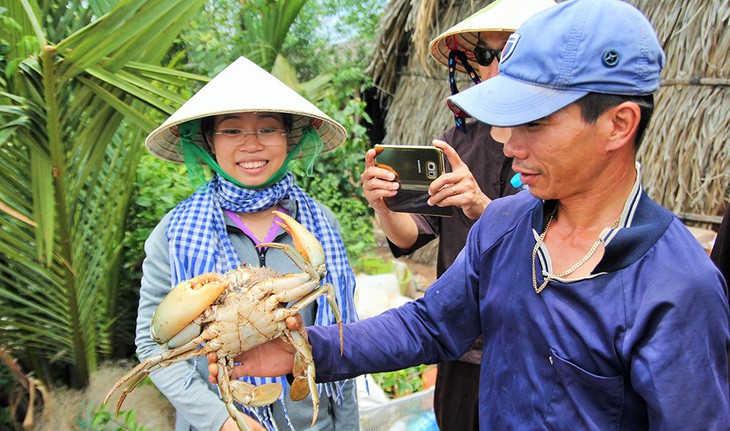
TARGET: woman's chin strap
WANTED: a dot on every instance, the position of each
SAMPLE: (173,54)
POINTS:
(308,149)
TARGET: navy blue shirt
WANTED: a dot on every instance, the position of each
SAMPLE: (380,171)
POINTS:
(641,343)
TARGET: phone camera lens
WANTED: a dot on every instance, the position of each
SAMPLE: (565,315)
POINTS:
(431,170)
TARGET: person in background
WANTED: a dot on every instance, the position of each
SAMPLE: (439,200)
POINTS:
(479,173)
(248,127)
(721,250)
(598,308)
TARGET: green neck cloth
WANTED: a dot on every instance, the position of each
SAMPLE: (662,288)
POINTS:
(307,149)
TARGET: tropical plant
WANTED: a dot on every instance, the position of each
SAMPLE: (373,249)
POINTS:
(335,180)
(24,392)
(227,29)
(97,418)
(401,382)
(159,186)
(80,88)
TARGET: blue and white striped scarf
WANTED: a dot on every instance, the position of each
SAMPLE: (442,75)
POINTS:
(199,242)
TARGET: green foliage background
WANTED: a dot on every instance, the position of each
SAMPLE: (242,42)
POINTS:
(213,41)
(401,382)
(73,86)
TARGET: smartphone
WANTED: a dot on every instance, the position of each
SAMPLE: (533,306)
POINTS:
(415,168)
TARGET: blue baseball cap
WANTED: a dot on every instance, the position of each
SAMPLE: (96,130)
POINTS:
(563,53)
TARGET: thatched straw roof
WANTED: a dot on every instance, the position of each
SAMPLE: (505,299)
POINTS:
(685,154)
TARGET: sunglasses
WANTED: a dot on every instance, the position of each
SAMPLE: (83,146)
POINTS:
(485,56)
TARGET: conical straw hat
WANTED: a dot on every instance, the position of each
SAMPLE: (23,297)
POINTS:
(243,86)
(501,15)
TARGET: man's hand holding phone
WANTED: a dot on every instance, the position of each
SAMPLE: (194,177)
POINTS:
(458,187)
(377,183)
(414,168)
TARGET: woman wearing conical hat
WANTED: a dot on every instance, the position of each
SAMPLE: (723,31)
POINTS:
(248,128)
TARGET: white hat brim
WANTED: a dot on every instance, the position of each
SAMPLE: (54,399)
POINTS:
(500,16)
(243,86)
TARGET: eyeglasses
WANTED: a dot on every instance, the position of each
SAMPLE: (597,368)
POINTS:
(238,136)
(485,56)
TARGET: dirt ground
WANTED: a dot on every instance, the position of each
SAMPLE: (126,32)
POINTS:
(151,409)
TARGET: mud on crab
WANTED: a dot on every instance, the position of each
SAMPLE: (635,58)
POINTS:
(233,312)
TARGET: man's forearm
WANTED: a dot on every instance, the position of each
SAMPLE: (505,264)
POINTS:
(400,228)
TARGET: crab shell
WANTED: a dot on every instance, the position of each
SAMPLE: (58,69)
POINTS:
(175,321)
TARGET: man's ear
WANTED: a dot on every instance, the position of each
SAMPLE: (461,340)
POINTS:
(624,121)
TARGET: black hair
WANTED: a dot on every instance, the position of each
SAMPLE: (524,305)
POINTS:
(592,105)
(206,126)
(288,120)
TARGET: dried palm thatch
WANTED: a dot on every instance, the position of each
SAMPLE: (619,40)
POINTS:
(685,153)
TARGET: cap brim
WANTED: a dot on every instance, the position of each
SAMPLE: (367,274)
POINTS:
(506,102)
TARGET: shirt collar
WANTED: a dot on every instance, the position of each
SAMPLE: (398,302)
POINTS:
(641,224)
(544,208)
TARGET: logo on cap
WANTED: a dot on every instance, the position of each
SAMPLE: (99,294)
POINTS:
(509,47)
(610,57)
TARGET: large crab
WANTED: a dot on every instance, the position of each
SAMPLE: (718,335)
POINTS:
(236,311)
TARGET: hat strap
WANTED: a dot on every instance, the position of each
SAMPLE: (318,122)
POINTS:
(454,54)
(191,158)
(309,147)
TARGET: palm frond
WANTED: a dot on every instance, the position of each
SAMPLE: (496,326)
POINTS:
(73,117)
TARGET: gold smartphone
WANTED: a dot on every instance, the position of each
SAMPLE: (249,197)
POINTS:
(415,167)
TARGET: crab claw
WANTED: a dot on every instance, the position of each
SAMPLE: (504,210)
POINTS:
(184,304)
(304,241)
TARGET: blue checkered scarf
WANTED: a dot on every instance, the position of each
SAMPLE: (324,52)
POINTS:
(199,242)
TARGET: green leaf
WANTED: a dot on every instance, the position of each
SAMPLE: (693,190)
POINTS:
(73,117)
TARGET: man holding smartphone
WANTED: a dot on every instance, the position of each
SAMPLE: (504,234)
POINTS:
(479,173)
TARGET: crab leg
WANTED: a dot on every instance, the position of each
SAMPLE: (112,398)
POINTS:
(182,353)
(304,372)
(304,241)
(326,288)
(308,255)
(258,396)
(224,383)
(244,393)
(298,259)
(284,284)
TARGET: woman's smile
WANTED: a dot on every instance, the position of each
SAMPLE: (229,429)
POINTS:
(249,157)
(252,164)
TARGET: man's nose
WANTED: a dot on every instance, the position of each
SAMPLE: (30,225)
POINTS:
(513,148)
